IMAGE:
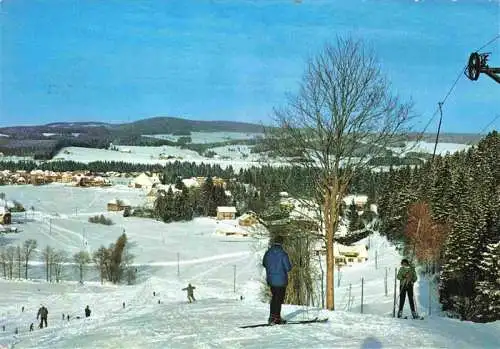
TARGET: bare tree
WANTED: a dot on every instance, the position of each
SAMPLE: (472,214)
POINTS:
(4,261)
(28,247)
(57,263)
(10,255)
(101,258)
(426,237)
(127,260)
(19,258)
(48,255)
(342,115)
(81,258)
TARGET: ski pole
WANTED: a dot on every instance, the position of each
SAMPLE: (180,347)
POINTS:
(394,302)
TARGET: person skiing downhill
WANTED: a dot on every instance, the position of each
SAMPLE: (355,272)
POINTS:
(87,311)
(277,264)
(407,277)
(42,313)
(190,293)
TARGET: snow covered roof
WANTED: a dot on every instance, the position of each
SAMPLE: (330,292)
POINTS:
(191,182)
(358,199)
(339,249)
(115,202)
(226,209)
(143,180)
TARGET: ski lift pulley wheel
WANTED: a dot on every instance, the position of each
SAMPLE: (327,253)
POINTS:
(474,66)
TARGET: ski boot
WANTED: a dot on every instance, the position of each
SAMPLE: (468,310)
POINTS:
(276,320)
(400,314)
(415,315)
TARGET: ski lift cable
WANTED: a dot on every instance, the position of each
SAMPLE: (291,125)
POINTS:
(489,42)
(495,118)
(440,104)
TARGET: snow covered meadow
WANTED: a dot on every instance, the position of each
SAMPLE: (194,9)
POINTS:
(209,137)
(428,147)
(223,270)
(226,156)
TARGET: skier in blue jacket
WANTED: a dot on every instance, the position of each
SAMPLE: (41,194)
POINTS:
(277,266)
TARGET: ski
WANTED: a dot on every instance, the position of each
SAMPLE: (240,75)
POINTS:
(291,322)
(406,318)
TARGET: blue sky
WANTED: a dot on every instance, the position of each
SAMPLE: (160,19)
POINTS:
(123,60)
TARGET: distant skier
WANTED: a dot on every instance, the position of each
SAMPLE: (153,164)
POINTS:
(407,277)
(87,311)
(63,316)
(67,317)
(123,304)
(154,293)
(31,327)
(190,293)
(42,313)
(277,264)
(22,309)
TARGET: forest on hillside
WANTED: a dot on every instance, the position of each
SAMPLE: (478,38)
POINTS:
(447,214)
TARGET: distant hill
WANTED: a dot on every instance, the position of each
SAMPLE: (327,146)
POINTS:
(169,125)
(155,125)
(44,141)
(460,138)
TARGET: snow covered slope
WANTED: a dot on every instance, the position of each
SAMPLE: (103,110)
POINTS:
(208,261)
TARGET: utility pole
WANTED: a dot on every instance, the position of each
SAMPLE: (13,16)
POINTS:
(234,278)
(362,293)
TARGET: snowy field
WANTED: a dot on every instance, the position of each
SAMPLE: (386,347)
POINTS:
(210,137)
(151,155)
(428,147)
(168,257)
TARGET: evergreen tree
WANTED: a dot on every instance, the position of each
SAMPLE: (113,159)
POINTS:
(208,204)
(488,299)
(354,219)
(170,210)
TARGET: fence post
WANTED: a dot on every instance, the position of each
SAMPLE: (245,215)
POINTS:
(385,282)
(234,278)
(349,300)
(362,289)
(430,290)
(394,303)
(178,266)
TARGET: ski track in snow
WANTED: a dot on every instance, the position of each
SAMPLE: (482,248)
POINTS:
(207,261)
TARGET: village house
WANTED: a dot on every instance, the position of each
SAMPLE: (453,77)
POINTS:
(231,230)
(5,215)
(217,181)
(345,255)
(226,212)
(37,177)
(144,181)
(118,205)
(191,182)
(358,200)
(249,219)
